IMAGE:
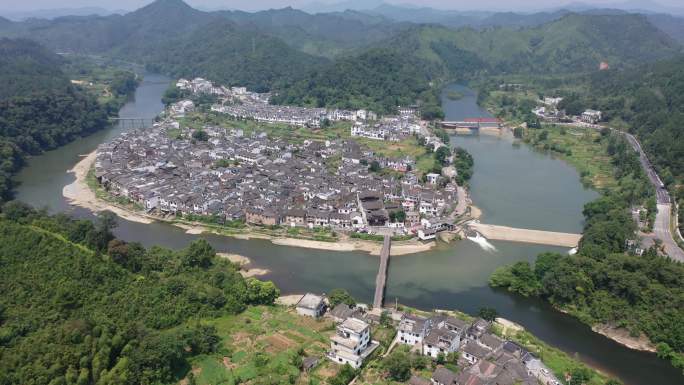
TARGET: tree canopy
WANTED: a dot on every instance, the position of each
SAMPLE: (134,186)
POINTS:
(75,311)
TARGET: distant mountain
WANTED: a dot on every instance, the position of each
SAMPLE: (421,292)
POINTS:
(132,34)
(356,5)
(512,19)
(428,15)
(232,56)
(59,12)
(573,43)
(673,26)
(325,34)
(233,46)
(431,54)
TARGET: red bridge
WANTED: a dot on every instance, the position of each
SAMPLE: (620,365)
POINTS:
(473,123)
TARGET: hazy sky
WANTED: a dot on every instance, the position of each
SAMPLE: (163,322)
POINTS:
(24,5)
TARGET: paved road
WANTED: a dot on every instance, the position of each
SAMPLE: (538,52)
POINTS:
(661,228)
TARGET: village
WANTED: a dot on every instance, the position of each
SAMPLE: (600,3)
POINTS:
(228,174)
(548,111)
(465,351)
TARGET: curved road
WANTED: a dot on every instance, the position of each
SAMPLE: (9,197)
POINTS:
(661,228)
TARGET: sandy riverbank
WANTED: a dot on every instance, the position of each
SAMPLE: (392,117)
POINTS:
(373,248)
(475,212)
(244,264)
(80,194)
(623,337)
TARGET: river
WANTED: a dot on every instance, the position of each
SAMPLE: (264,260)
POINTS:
(512,184)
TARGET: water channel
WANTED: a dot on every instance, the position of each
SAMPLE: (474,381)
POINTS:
(513,185)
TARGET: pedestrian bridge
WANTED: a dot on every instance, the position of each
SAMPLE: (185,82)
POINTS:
(381,279)
(473,123)
(540,237)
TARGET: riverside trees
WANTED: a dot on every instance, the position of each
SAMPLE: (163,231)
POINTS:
(73,311)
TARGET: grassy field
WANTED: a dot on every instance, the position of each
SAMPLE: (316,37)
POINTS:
(581,147)
(265,345)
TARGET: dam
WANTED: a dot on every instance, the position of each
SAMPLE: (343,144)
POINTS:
(539,237)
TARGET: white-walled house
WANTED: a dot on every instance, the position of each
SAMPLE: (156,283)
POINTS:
(432,178)
(442,341)
(473,352)
(591,116)
(311,305)
(427,234)
(412,329)
(351,344)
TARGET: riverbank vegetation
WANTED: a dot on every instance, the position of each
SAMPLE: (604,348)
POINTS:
(80,306)
(605,283)
(112,83)
(39,107)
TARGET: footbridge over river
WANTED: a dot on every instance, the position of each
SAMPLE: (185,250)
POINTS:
(474,123)
(133,123)
(540,237)
(381,279)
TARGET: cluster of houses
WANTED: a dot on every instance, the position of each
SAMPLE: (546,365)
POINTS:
(392,128)
(547,110)
(484,358)
(238,103)
(272,181)
(290,115)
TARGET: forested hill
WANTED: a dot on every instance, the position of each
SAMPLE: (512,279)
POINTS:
(232,55)
(428,53)
(26,68)
(39,108)
(650,100)
(174,37)
(80,307)
(325,34)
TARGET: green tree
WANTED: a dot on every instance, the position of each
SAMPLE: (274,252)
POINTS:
(442,154)
(398,365)
(199,254)
(518,132)
(338,296)
(374,166)
(200,135)
(487,314)
(262,292)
